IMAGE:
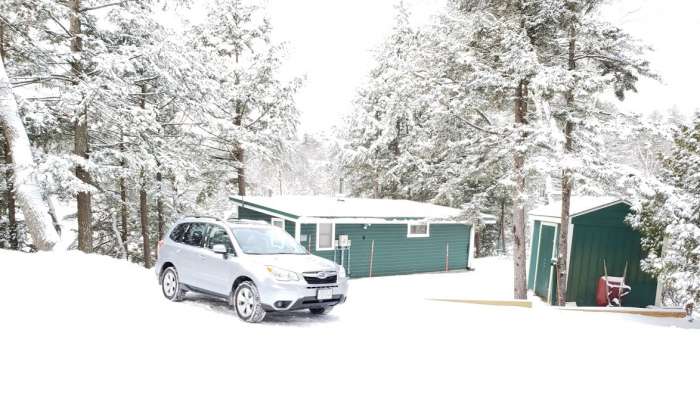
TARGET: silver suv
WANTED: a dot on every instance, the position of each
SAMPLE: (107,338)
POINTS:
(255,266)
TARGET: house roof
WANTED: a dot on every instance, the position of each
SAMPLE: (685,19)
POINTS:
(579,205)
(361,209)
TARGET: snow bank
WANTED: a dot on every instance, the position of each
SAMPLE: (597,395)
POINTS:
(85,327)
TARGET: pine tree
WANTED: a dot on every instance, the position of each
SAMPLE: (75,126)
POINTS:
(250,112)
(599,57)
(668,215)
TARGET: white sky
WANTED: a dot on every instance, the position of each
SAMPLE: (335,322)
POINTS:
(331,41)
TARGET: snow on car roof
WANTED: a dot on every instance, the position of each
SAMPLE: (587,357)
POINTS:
(346,207)
(579,205)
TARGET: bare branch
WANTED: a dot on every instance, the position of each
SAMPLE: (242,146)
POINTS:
(117,3)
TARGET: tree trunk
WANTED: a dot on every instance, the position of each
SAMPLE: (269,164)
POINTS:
(143,210)
(159,209)
(566,183)
(519,275)
(240,170)
(81,134)
(502,229)
(477,241)
(26,189)
(143,202)
(10,196)
(124,205)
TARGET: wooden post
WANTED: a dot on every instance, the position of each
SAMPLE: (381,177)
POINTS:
(371,259)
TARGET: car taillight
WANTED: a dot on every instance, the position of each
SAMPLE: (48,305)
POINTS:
(160,244)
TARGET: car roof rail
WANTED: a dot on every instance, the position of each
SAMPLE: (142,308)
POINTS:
(256,221)
(197,216)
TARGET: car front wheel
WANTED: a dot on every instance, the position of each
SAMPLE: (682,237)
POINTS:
(171,285)
(246,302)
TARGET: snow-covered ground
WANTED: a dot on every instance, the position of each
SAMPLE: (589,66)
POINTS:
(89,328)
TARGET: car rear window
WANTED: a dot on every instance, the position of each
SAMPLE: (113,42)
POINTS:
(195,234)
(176,234)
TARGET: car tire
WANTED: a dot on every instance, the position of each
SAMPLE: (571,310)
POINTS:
(246,303)
(170,284)
(320,310)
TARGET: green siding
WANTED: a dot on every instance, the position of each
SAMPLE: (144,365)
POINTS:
(394,253)
(245,213)
(602,235)
(289,227)
(533,254)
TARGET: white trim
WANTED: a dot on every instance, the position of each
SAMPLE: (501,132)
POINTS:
(332,237)
(297,231)
(280,220)
(557,217)
(545,218)
(374,221)
(555,254)
(470,256)
(658,300)
(599,207)
(410,235)
(570,238)
(262,210)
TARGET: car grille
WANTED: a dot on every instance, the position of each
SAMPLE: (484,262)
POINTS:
(312,278)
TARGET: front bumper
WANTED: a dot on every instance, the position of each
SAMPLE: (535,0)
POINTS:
(287,296)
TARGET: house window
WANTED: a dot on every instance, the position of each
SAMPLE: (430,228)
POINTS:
(325,233)
(279,222)
(418,230)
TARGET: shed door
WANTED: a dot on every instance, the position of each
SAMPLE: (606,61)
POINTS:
(544,261)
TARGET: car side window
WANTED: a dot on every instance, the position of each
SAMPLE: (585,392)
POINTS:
(176,234)
(218,235)
(195,234)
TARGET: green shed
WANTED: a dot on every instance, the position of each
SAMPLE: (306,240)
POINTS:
(369,237)
(597,233)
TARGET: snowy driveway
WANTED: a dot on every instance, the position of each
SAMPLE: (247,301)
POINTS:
(77,327)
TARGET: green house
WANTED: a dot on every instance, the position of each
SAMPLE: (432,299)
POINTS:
(597,234)
(369,237)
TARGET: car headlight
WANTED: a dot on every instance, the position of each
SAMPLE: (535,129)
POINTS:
(341,272)
(282,274)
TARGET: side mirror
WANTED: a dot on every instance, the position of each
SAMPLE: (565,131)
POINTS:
(219,249)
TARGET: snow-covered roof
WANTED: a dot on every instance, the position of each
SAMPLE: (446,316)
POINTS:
(579,205)
(350,208)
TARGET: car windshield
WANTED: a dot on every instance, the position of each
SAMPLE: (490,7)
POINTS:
(266,240)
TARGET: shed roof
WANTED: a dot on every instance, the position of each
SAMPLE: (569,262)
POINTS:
(345,207)
(579,206)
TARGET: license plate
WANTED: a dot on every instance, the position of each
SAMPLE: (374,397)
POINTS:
(324,294)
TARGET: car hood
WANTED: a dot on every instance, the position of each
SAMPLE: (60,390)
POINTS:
(298,263)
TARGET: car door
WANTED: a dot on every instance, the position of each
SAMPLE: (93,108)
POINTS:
(189,255)
(216,271)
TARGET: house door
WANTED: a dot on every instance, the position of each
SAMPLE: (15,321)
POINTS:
(544,260)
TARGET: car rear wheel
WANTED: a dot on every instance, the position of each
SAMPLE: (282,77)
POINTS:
(320,310)
(246,302)
(171,285)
